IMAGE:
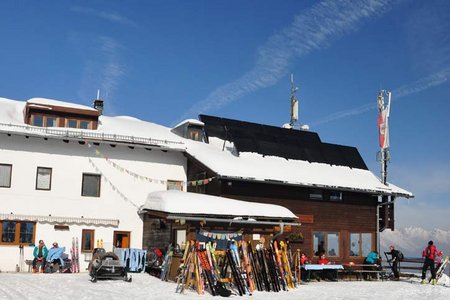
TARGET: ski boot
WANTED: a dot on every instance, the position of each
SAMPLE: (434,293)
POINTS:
(433,281)
(34,270)
(423,281)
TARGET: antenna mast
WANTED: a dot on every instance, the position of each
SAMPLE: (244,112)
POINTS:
(294,103)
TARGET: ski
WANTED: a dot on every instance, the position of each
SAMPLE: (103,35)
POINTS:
(441,269)
(77,255)
(235,274)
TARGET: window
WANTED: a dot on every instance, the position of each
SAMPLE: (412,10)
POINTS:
(180,238)
(43,178)
(5,175)
(121,239)
(360,244)
(91,185)
(315,194)
(38,120)
(72,123)
(174,185)
(326,242)
(16,233)
(51,122)
(87,240)
(335,196)
(84,124)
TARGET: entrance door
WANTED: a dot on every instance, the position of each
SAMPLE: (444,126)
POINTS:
(121,239)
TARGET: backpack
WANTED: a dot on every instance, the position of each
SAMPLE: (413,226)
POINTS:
(400,255)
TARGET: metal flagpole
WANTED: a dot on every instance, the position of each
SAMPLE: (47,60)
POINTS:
(383,155)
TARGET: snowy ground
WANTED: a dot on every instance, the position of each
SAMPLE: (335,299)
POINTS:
(143,286)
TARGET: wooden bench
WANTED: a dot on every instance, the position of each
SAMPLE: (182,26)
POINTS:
(357,271)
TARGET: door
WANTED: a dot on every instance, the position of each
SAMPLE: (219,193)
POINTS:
(121,239)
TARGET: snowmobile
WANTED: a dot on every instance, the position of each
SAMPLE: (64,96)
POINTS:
(106,265)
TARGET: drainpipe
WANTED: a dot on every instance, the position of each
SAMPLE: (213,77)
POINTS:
(279,233)
(378,221)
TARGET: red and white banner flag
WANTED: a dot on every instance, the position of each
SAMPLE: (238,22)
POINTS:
(383,124)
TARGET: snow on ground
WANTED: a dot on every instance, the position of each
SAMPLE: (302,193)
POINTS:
(144,286)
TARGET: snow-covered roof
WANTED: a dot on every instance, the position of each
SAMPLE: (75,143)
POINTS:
(190,121)
(177,202)
(254,167)
(51,102)
(118,129)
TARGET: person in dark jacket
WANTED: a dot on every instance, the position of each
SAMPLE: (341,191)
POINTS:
(430,253)
(40,255)
(395,260)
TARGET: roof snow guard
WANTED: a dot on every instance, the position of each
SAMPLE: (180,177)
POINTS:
(64,133)
(60,220)
(193,204)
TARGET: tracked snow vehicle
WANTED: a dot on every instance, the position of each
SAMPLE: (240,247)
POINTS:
(106,265)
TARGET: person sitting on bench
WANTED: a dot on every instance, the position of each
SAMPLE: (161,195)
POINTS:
(371,263)
(55,256)
(305,274)
(329,274)
(40,254)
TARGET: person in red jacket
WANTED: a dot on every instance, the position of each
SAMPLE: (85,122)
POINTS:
(329,274)
(305,274)
(430,253)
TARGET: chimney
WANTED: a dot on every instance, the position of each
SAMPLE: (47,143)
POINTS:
(98,104)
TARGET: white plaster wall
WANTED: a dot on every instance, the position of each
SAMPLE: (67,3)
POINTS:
(68,162)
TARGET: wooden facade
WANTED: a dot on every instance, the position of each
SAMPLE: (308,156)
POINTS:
(354,214)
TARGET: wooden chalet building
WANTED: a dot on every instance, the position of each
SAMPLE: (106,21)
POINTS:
(327,186)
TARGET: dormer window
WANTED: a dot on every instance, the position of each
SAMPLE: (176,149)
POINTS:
(51,113)
(190,129)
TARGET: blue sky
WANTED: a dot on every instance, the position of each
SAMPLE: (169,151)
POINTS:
(164,61)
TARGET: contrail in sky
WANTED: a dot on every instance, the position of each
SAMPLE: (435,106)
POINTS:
(313,29)
(108,16)
(422,84)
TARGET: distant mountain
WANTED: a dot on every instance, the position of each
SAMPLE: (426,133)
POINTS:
(412,240)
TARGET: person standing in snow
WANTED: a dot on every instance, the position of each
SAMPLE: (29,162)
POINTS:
(395,259)
(430,253)
(40,254)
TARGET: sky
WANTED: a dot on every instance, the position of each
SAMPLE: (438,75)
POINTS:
(165,61)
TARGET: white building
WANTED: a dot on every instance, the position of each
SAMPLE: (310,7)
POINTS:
(68,172)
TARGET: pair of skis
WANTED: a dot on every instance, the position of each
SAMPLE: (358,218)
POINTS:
(74,253)
(440,271)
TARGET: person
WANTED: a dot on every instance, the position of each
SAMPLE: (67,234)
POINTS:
(430,253)
(54,256)
(305,274)
(395,259)
(329,274)
(40,254)
(320,248)
(371,263)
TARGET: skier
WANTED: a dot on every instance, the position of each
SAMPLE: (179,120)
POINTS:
(430,254)
(40,254)
(395,254)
